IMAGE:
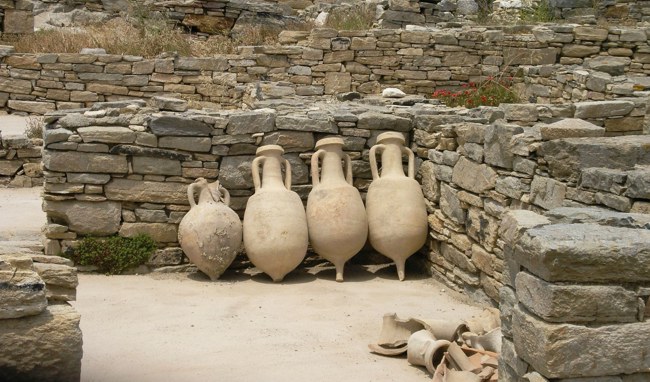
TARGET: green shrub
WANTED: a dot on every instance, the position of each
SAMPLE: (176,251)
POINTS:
(542,12)
(115,254)
(490,92)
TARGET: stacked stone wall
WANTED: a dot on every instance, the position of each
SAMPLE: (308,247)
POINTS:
(575,307)
(328,62)
(20,161)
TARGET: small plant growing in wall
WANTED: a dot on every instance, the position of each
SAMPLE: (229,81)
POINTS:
(491,92)
(115,254)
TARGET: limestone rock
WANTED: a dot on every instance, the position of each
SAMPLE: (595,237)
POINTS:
(257,121)
(497,149)
(160,232)
(570,215)
(570,128)
(473,177)
(168,103)
(638,183)
(558,350)
(379,121)
(86,218)
(60,280)
(603,109)
(9,167)
(608,64)
(22,291)
(70,161)
(236,172)
(450,204)
(392,93)
(179,126)
(146,191)
(106,134)
(546,192)
(45,347)
(602,179)
(585,253)
(156,166)
(291,141)
(303,123)
(576,303)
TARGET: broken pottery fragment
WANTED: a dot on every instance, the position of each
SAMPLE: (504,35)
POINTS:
(275,224)
(424,349)
(210,234)
(336,217)
(490,341)
(397,213)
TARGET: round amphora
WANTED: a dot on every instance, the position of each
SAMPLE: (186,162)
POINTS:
(397,213)
(336,217)
(210,234)
(275,225)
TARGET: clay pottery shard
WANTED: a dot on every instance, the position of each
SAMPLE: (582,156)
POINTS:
(210,234)
(444,329)
(461,376)
(490,341)
(386,350)
(275,225)
(397,331)
(336,217)
(397,214)
(488,319)
(424,349)
(461,360)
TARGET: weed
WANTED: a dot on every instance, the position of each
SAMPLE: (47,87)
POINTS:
(542,12)
(115,254)
(34,127)
(357,17)
(490,92)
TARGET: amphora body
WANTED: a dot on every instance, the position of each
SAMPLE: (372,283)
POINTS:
(397,214)
(338,226)
(210,234)
(275,226)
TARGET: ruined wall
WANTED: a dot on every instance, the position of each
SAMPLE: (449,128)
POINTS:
(20,161)
(576,302)
(327,62)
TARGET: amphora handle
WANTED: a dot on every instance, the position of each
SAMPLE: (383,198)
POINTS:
(411,169)
(287,175)
(191,194)
(348,168)
(315,160)
(255,168)
(373,160)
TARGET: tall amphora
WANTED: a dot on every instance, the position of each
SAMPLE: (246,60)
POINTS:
(397,214)
(336,217)
(210,234)
(275,226)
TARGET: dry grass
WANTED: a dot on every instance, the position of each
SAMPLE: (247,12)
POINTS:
(357,17)
(34,127)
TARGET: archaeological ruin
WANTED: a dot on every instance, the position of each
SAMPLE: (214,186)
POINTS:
(540,207)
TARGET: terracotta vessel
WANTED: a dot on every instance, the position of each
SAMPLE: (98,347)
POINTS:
(424,349)
(336,217)
(275,225)
(397,214)
(210,234)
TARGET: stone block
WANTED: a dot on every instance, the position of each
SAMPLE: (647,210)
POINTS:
(34,107)
(456,257)
(149,152)
(603,109)
(60,280)
(430,186)
(614,66)
(146,191)
(560,350)
(214,64)
(585,253)
(18,21)
(106,134)
(576,50)
(22,291)
(70,161)
(497,149)
(156,166)
(576,303)
(336,82)
(379,121)
(257,121)
(602,179)
(179,126)
(236,172)
(160,232)
(482,227)
(512,187)
(477,178)
(450,204)
(527,56)
(86,218)
(568,215)
(198,144)
(10,167)
(303,123)
(590,33)
(638,183)
(291,141)
(547,193)
(567,157)
(570,128)
(45,347)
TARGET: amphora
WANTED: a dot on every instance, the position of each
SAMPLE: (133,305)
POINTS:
(210,234)
(336,217)
(275,225)
(397,214)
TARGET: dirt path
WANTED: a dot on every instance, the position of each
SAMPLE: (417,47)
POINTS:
(241,328)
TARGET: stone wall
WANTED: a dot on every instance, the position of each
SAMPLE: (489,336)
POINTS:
(39,330)
(478,170)
(20,161)
(328,62)
(16,16)
(587,10)
(575,307)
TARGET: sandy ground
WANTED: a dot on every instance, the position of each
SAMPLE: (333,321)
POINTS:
(243,327)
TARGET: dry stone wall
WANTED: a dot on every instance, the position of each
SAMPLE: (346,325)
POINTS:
(20,161)
(330,62)
(575,307)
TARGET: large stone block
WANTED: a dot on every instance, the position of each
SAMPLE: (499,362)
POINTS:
(160,232)
(527,56)
(71,161)
(497,147)
(61,280)
(216,64)
(146,191)
(546,192)
(603,109)
(156,166)
(638,183)
(473,177)
(34,107)
(18,21)
(570,215)
(10,167)
(380,121)
(570,128)
(179,126)
(566,351)
(567,157)
(45,347)
(22,291)
(450,204)
(298,141)
(304,123)
(196,144)
(585,253)
(576,303)
(106,134)
(14,85)
(336,82)
(86,218)
(257,121)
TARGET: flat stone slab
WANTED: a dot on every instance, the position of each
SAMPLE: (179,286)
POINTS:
(570,128)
